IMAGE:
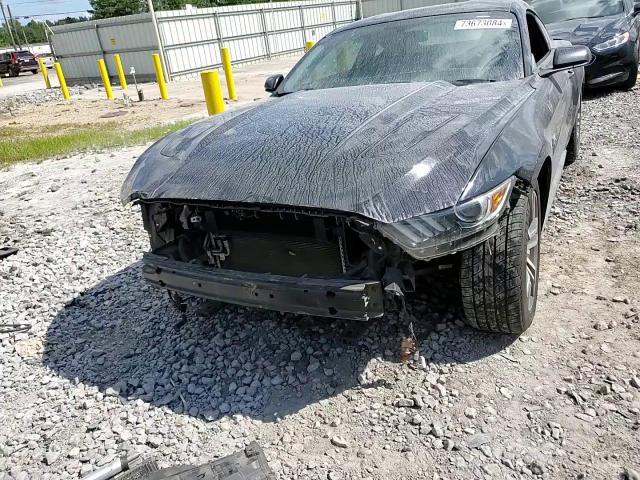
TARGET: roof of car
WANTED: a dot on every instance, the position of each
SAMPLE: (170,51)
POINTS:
(468,6)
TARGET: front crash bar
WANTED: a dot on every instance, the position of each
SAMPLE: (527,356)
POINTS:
(326,297)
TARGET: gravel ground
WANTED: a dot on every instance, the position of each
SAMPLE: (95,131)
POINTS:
(105,369)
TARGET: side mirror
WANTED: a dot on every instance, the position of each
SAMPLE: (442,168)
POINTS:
(272,83)
(560,43)
(565,58)
(636,8)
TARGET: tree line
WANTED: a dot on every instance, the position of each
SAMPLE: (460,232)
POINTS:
(34,31)
(117,8)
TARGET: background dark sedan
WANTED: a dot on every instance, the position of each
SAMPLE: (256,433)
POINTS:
(610,28)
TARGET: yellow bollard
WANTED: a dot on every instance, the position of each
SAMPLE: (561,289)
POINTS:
(160,76)
(1,84)
(62,81)
(228,73)
(45,74)
(123,79)
(105,79)
(309,45)
(212,91)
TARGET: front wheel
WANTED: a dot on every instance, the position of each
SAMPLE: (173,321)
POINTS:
(633,71)
(499,278)
(573,149)
(633,77)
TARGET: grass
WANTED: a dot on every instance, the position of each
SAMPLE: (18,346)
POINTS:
(18,145)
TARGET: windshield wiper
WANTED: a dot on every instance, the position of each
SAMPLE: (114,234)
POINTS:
(294,91)
(467,81)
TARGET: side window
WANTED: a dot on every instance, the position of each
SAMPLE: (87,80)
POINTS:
(539,44)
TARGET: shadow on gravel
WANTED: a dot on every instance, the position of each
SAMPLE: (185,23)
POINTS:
(121,337)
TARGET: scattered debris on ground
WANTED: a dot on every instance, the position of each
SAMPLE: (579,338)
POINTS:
(27,100)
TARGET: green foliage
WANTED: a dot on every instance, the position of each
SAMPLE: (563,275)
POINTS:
(116,8)
(48,142)
(113,8)
(33,32)
(67,20)
(5,38)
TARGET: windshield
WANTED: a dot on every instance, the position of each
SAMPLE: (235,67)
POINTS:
(554,11)
(460,49)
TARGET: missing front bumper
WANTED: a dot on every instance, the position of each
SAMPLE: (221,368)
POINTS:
(327,297)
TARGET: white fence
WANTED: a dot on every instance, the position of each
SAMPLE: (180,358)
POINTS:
(377,7)
(192,39)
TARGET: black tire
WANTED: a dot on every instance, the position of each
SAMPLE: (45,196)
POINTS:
(633,71)
(494,276)
(34,71)
(573,149)
(633,76)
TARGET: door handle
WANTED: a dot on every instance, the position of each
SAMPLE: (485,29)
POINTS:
(571,72)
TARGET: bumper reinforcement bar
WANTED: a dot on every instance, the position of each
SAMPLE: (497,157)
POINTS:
(327,297)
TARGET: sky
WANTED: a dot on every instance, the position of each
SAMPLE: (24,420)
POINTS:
(47,9)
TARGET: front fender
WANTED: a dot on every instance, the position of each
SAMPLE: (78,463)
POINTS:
(520,149)
(532,137)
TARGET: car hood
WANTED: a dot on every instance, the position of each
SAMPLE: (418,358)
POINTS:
(387,152)
(588,31)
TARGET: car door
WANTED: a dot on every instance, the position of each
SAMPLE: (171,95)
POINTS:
(561,88)
(557,96)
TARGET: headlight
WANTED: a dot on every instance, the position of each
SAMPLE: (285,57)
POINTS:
(613,43)
(448,231)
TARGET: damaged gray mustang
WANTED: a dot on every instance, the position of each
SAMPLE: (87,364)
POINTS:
(400,142)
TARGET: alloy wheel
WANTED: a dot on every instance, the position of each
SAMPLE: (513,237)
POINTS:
(533,250)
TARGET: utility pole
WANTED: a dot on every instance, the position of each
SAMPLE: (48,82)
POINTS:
(8,26)
(163,59)
(12,20)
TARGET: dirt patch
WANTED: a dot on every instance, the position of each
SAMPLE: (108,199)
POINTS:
(90,106)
